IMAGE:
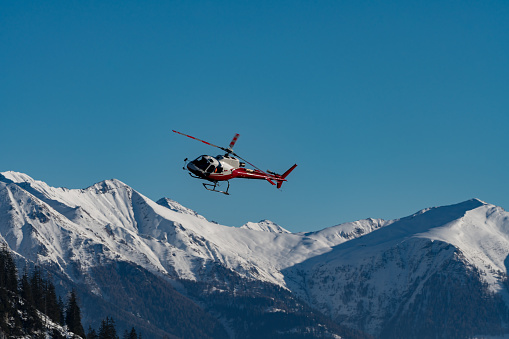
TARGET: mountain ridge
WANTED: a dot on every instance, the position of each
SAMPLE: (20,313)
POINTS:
(113,206)
(76,206)
(396,262)
(343,271)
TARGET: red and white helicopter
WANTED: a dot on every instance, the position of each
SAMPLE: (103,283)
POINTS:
(228,166)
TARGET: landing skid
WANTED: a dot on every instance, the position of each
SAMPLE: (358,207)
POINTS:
(213,187)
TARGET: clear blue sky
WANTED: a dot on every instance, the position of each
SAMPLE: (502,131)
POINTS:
(387,107)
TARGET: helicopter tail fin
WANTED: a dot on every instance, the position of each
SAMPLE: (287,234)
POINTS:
(280,182)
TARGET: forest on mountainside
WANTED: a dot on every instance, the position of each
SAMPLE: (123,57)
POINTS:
(29,306)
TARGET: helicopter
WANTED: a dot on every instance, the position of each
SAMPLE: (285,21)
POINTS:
(228,166)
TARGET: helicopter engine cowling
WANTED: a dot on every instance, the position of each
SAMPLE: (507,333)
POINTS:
(230,160)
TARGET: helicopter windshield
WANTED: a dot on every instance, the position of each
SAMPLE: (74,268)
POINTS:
(207,164)
(201,163)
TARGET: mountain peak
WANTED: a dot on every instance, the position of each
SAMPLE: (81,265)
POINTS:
(265,226)
(16,177)
(454,209)
(478,201)
(107,185)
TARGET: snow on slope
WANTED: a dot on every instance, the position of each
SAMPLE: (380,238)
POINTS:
(369,279)
(111,221)
(482,235)
(175,206)
(265,226)
(478,229)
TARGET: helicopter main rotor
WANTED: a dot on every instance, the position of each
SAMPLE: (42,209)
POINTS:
(228,150)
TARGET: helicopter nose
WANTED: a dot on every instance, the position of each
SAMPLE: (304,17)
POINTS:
(191,167)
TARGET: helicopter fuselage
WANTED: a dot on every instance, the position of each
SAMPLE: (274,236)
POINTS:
(223,167)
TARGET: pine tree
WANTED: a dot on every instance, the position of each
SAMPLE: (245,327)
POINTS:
(28,306)
(107,329)
(103,329)
(6,308)
(73,315)
(52,307)
(8,271)
(37,288)
(92,334)
(61,310)
(130,334)
(26,289)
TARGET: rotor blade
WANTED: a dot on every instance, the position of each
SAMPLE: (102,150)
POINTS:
(234,140)
(205,142)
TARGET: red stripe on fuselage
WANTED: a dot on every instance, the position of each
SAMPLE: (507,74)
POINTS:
(243,173)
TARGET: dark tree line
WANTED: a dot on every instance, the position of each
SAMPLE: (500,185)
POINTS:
(107,330)
(8,291)
(39,292)
(21,300)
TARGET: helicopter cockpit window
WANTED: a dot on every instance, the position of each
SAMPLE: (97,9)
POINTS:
(201,162)
(210,169)
(207,164)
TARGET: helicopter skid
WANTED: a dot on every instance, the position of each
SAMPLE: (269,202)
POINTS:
(213,189)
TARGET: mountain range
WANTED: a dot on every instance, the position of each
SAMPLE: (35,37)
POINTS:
(168,271)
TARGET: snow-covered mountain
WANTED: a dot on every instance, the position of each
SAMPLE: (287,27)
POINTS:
(110,220)
(373,282)
(367,274)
